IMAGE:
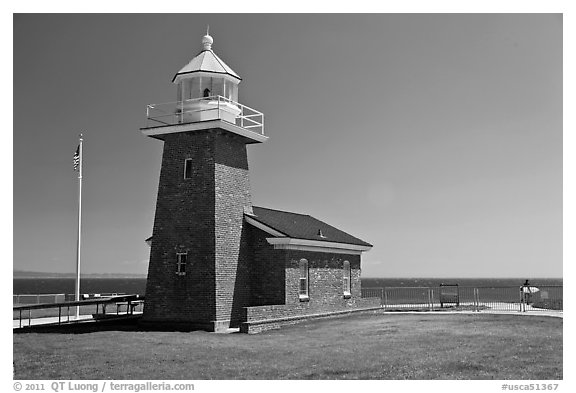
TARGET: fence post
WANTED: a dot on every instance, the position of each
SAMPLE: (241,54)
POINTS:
(385,299)
(476,300)
(381,297)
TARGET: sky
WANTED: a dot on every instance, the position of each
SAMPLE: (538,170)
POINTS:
(436,138)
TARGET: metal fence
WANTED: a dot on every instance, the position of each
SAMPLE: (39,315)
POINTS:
(38,298)
(511,298)
(63,312)
(48,298)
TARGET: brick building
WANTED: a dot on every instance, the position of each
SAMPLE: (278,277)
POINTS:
(216,261)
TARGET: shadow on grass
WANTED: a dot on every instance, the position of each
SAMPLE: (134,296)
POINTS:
(131,324)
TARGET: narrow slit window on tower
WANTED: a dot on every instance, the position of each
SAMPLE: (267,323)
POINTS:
(181,258)
(303,292)
(188,168)
(346,279)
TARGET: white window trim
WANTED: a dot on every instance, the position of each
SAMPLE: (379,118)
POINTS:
(347,288)
(179,263)
(303,296)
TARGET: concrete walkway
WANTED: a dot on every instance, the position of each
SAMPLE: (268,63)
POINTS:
(48,321)
(88,318)
(63,321)
(546,313)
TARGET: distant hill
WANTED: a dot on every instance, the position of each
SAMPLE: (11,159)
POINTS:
(28,274)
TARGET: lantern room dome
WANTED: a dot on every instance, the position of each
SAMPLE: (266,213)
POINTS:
(206,62)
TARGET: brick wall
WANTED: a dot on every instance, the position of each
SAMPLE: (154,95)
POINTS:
(325,283)
(276,282)
(232,197)
(202,216)
(275,275)
(230,265)
(183,222)
(280,311)
(262,318)
(267,270)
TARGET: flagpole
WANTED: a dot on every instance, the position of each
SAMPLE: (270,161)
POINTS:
(78,246)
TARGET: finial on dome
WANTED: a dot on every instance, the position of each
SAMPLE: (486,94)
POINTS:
(207,40)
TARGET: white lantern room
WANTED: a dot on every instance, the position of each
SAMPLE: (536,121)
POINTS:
(206,98)
(207,87)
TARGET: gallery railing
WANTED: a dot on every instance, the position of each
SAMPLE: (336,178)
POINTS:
(203,109)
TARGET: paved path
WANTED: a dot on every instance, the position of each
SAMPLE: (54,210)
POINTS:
(64,320)
(48,320)
(547,313)
(88,318)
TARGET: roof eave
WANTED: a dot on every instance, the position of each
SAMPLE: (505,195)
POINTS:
(287,243)
(206,72)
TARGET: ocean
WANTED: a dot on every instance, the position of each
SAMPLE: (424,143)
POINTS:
(138,285)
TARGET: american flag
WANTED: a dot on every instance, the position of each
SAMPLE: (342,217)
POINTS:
(77,158)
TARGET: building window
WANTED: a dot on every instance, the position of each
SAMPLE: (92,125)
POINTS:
(181,263)
(346,279)
(303,292)
(188,168)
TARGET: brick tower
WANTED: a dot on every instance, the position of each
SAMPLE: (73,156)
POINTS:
(198,274)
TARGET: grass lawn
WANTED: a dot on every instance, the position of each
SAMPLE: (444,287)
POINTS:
(361,346)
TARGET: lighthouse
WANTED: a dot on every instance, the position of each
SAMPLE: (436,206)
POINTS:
(198,275)
(216,261)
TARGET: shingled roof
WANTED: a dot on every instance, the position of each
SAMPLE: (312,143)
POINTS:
(303,226)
